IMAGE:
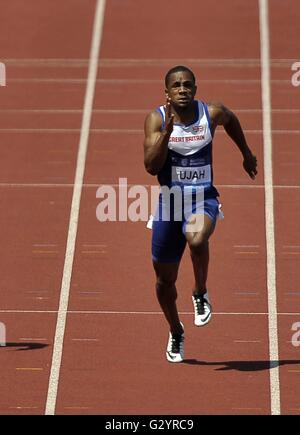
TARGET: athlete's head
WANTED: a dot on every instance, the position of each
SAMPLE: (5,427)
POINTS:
(181,86)
(176,69)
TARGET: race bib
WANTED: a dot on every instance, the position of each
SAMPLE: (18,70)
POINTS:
(191,175)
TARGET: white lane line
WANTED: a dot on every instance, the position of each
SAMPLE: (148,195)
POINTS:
(141,312)
(114,61)
(135,81)
(269,205)
(180,312)
(40,130)
(222,186)
(45,111)
(159,313)
(44,245)
(85,339)
(127,111)
(121,130)
(246,246)
(32,339)
(247,341)
(74,215)
(247,293)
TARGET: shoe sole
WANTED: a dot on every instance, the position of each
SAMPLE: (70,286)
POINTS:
(205,322)
(178,359)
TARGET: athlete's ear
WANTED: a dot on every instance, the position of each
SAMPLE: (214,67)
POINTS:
(195,91)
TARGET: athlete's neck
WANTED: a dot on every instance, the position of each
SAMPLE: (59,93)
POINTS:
(185,115)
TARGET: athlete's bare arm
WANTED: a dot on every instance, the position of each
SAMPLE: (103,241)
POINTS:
(221,115)
(156,140)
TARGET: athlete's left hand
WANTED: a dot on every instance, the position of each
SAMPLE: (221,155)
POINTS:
(250,165)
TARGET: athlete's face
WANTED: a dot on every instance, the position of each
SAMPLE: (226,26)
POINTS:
(181,89)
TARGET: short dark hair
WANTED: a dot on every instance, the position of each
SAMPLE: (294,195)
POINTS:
(178,68)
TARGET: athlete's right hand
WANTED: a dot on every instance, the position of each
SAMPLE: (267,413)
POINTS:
(169,121)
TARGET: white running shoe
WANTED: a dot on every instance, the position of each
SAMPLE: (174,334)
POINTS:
(202,309)
(175,347)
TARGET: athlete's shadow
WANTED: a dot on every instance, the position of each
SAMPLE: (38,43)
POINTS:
(243,366)
(25,346)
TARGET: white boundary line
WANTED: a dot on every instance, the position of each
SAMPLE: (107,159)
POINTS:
(147,186)
(159,313)
(107,62)
(135,81)
(120,130)
(127,111)
(269,206)
(73,223)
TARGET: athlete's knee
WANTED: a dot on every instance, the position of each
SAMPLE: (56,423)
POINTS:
(165,288)
(165,282)
(198,244)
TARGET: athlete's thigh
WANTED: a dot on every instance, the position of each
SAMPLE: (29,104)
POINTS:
(201,228)
(203,224)
(168,241)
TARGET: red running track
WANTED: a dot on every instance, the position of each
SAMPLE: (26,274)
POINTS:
(113,349)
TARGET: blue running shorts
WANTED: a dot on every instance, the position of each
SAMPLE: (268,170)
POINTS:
(168,236)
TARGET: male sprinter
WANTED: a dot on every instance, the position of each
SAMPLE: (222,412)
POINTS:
(178,149)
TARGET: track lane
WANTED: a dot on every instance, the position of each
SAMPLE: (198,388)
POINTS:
(286,172)
(109,374)
(34,219)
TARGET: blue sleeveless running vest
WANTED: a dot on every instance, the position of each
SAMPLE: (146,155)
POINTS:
(189,159)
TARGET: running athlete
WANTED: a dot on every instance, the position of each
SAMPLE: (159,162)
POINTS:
(178,150)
